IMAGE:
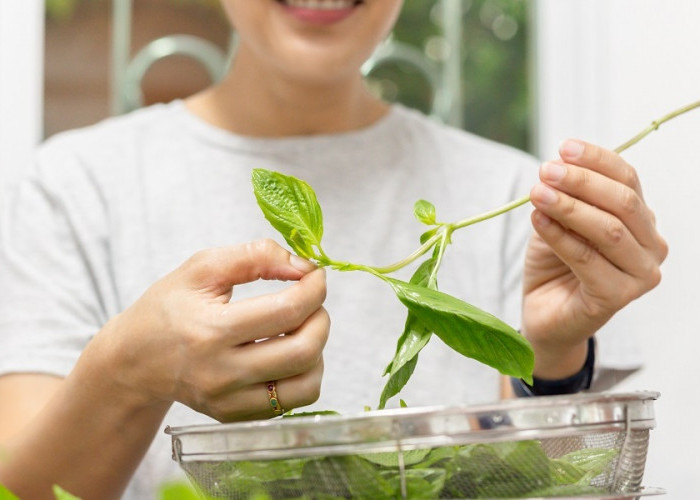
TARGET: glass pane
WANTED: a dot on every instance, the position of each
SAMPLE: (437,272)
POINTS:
(76,78)
(78,54)
(495,68)
(494,64)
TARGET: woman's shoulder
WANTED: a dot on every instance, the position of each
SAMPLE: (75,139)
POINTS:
(112,146)
(429,129)
(429,132)
(108,151)
(117,131)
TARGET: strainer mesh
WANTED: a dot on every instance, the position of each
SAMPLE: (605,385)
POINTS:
(594,463)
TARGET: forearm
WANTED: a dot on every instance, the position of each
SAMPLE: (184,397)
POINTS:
(89,438)
(183,340)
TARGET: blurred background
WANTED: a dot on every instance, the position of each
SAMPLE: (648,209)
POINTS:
(410,69)
(525,72)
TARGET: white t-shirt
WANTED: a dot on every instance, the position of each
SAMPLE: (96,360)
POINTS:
(108,210)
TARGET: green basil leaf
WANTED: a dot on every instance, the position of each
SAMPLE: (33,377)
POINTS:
(498,470)
(62,494)
(271,470)
(411,330)
(592,460)
(391,458)
(290,205)
(411,342)
(428,234)
(420,483)
(346,476)
(6,494)
(438,455)
(256,479)
(529,460)
(468,330)
(235,484)
(564,472)
(474,467)
(424,212)
(397,381)
(414,338)
(177,491)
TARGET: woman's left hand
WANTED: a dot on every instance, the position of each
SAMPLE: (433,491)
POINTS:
(595,249)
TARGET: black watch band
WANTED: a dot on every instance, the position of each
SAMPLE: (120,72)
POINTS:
(577,382)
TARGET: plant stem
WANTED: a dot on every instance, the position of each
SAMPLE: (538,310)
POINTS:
(492,213)
(634,140)
(432,280)
(655,126)
(419,252)
(447,229)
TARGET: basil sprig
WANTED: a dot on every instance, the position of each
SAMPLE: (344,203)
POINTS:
(291,206)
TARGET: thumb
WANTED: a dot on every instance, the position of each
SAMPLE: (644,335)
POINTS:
(224,267)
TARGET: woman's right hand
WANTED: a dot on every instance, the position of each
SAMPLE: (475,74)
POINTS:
(183,340)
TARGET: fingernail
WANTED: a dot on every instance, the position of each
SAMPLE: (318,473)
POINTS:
(541,219)
(302,265)
(544,194)
(571,148)
(553,171)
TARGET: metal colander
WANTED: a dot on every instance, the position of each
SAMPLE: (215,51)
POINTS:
(581,446)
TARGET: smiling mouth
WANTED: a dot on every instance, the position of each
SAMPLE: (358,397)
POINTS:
(321,4)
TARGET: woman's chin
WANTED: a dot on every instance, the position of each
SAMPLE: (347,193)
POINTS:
(321,64)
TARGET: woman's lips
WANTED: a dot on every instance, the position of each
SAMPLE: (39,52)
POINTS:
(320,11)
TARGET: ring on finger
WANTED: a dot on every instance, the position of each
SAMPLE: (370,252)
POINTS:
(274,400)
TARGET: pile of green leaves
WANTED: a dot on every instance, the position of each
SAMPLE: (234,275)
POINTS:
(500,470)
(292,208)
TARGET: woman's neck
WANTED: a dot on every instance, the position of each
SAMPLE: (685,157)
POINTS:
(256,102)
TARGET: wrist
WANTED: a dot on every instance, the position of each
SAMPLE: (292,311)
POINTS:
(106,366)
(99,392)
(556,359)
(579,381)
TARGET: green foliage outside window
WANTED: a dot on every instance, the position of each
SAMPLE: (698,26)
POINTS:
(495,90)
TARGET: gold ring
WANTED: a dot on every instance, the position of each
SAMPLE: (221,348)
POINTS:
(274,400)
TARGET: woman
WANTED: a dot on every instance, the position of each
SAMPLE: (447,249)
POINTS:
(102,341)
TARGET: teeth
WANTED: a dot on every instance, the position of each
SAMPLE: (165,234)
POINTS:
(321,4)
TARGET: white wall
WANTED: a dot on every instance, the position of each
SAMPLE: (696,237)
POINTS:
(607,68)
(21,82)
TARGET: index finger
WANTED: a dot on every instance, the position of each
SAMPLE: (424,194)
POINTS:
(270,315)
(601,160)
